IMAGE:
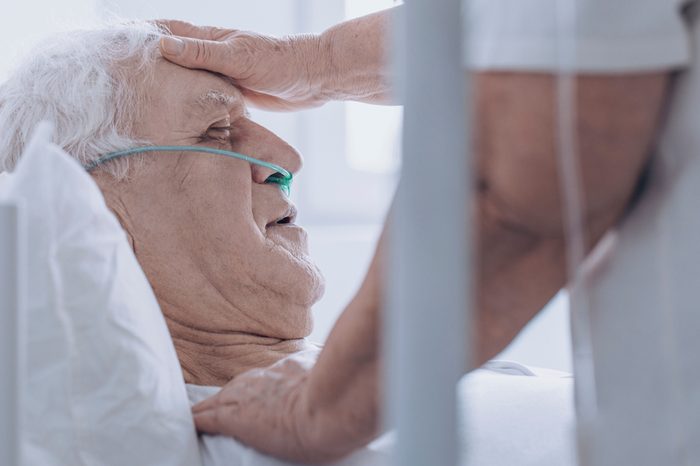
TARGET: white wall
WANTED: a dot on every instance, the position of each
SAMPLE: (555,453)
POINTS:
(23,23)
(546,341)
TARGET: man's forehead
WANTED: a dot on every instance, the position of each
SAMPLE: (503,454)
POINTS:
(196,92)
(217,91)
(207,91)
(218,98)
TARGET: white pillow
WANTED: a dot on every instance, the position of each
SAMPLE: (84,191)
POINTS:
(103,383)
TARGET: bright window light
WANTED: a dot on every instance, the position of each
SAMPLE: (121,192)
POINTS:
(355,8)
(373,137)
(373,133)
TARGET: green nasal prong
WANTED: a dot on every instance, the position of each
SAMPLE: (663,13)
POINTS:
(282,180)
(281,176)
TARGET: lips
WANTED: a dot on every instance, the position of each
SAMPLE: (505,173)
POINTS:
(288,217)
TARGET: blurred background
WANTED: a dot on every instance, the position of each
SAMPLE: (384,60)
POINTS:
(351,150)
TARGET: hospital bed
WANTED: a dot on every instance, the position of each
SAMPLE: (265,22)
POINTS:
(91,392)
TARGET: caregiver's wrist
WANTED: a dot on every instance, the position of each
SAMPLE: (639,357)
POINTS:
(356,60)
(332,66)
(306,67)
(328,433)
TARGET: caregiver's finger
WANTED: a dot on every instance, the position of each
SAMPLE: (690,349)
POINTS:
(192,31)
(198,53)
(220,420)
(207,421)
(203,405)
(270,102)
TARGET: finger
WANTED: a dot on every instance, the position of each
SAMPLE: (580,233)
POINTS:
(221,420)
(185,29)
(271,102)
(207,422)
(197,53)
(209,403)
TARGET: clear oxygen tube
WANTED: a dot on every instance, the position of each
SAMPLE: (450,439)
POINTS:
(573,217)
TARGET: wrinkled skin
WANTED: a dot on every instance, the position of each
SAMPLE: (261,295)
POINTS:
(235,285)
(291,72)
(520,238)
(305,410)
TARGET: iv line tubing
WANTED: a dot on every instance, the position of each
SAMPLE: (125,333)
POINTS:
(574,208)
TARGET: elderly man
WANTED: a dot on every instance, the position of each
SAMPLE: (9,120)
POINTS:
(220,248)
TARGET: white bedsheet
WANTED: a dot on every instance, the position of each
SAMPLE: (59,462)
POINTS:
(515,416)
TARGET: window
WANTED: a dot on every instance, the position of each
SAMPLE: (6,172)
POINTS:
(373,138)
(351,149)
(373,132)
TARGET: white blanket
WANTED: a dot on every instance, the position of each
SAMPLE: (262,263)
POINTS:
(513,415)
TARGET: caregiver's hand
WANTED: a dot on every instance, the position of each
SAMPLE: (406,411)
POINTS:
(266,408)
(346,62)
(299,412)
(304,410)
(274,73)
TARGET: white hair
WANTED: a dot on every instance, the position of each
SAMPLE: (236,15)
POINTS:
(89,84)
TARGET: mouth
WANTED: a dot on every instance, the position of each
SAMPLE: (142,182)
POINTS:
(286,219)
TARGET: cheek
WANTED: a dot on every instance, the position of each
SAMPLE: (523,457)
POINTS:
(220,207)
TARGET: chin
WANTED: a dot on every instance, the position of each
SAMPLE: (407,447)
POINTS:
(308,290)
(311,284)
(298,275)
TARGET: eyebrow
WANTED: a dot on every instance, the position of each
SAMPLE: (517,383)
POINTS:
(215,98)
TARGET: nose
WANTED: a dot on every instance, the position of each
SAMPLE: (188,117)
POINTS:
(272,149)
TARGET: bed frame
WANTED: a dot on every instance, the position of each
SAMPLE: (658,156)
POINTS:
(11,330)
(429,266)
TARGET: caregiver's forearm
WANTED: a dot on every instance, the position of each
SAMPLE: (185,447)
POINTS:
(356,56)
(342,394)
(520,237)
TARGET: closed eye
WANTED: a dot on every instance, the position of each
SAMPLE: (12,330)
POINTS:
(218,133)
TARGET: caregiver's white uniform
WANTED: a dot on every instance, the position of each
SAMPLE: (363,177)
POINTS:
(645,286)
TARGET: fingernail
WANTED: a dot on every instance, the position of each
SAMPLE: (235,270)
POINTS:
(172,45)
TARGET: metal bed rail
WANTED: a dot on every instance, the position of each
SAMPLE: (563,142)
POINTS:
(429,283)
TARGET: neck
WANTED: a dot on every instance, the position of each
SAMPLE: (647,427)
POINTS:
(219,331)
(211,358)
